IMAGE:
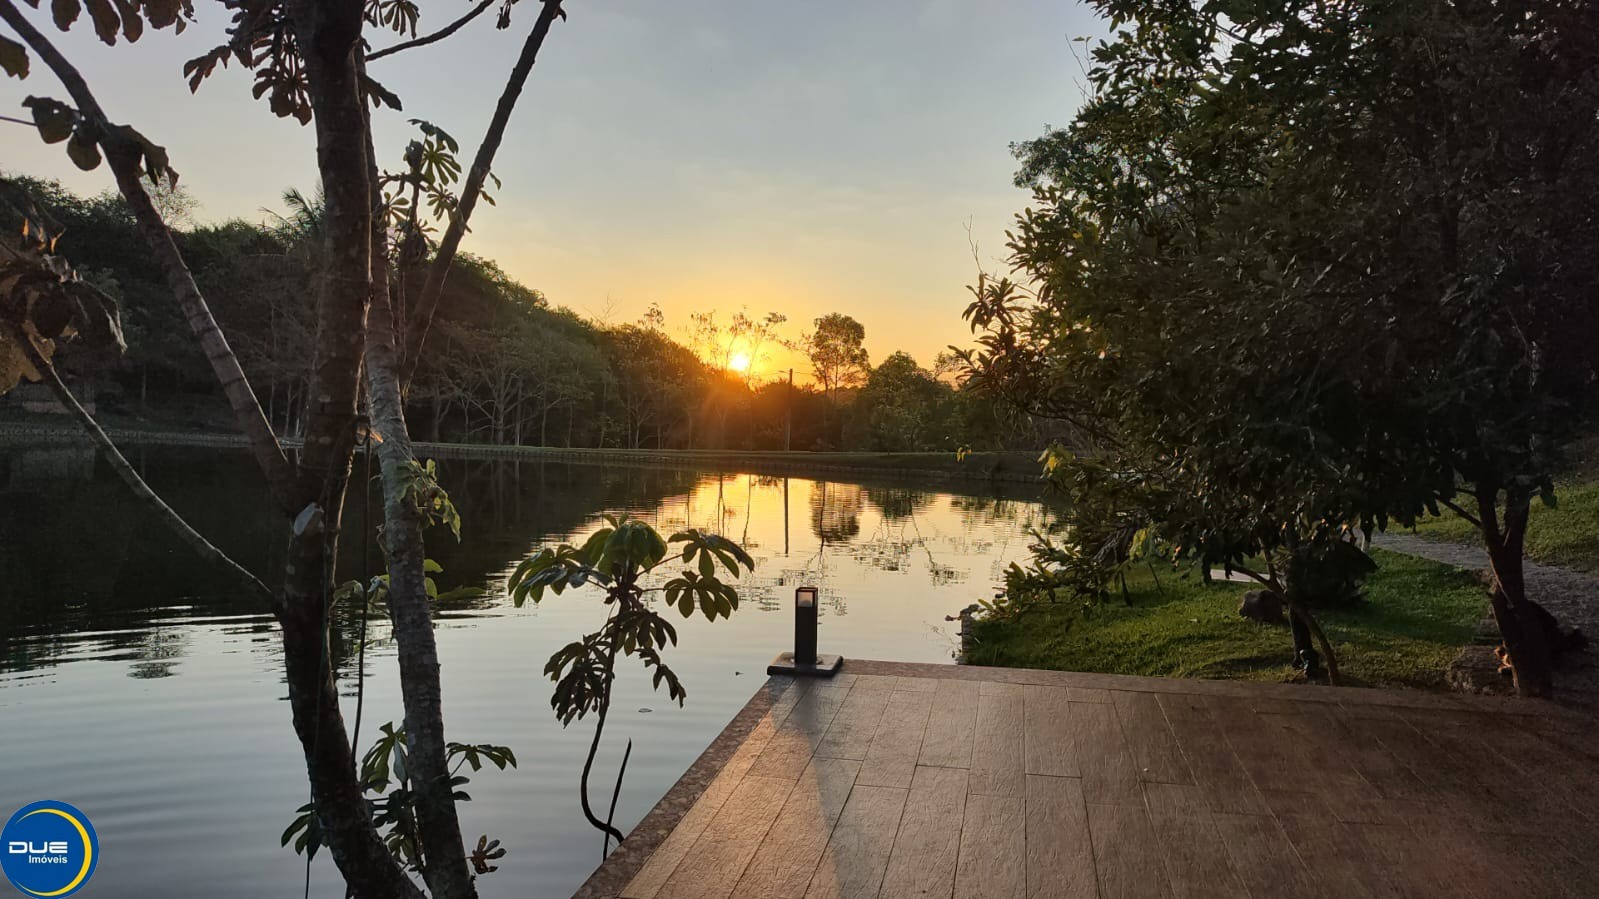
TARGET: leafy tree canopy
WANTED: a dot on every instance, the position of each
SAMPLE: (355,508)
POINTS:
(1301,267)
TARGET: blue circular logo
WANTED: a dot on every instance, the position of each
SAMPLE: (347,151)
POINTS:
(50,849)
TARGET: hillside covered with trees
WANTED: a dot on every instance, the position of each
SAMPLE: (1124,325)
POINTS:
(503,364)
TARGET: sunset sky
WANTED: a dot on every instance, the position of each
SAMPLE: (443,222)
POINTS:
(802,158)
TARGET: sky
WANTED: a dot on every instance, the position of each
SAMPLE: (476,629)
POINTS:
(802,158)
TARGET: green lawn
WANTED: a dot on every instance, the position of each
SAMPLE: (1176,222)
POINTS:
(1567,534)
(1417,617)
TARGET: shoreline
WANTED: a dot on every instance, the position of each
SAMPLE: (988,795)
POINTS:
(1011,467)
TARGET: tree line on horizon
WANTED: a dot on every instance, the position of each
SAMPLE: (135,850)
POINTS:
(503,365)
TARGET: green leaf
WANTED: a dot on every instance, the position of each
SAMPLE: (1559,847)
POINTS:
(381,96)
(594,547)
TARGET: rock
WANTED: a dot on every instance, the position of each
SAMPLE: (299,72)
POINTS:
(1263,606)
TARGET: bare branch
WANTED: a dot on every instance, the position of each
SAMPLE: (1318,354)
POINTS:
(1451,506)
(427,303)
(1268,581)
(439,35)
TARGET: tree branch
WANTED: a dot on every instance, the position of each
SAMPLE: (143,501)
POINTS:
(439,35)
(119,463)
(1269,582)
(1297,608)
(124,162)
(421,317)
(1451,506)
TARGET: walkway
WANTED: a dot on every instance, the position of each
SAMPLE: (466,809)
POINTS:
(1571,596)
(899,780)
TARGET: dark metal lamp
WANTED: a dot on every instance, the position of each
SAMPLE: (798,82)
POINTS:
(803,661)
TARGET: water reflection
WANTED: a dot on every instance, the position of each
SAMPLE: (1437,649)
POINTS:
(836,511)
(134,684)
(896,503)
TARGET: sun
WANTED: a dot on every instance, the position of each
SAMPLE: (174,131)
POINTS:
(740,362)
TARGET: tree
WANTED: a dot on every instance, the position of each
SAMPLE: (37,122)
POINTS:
(173,201)
(902,408)
(1302,269)
(310,63)
(620,559)
(837,356)
(655,380)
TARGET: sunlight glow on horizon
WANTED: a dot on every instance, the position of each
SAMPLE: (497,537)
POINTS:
(794,159)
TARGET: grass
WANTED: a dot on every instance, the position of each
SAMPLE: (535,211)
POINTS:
(1567,534)
(1417,616)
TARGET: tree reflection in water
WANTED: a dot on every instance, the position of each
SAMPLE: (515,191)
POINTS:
(899,533)
(836,511)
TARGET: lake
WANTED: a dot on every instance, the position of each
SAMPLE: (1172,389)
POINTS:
(136,687)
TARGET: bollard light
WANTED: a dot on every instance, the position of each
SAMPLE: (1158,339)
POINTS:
(804,661)
(805,626)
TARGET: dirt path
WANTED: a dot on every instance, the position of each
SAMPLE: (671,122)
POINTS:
(1571,596)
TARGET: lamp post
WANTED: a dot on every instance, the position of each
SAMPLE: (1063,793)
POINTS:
(804,661)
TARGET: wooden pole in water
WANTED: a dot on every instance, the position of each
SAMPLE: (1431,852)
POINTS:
(788,421)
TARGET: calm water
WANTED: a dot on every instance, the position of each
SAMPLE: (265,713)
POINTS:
(133,686)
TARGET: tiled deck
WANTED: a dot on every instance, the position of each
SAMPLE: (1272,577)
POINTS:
(922,780)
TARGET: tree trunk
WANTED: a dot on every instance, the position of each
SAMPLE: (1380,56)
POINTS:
(1302,617)
(313,493)
(1526,645)
(446,871)
(521,416)
(328,34)
(363,859)
(471,188)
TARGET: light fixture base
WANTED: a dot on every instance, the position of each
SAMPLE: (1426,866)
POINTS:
(825,666)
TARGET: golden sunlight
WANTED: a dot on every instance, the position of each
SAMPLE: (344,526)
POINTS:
(739,362)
